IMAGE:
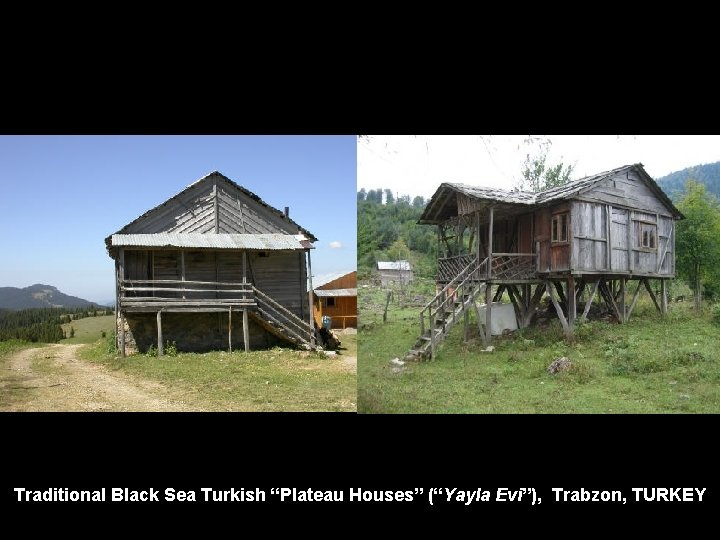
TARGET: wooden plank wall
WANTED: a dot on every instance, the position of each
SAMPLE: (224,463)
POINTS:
(626,190)
(619,239)
(542,235)
(589,233)
(348,281)
(238,213)
(281,276)
(190,212)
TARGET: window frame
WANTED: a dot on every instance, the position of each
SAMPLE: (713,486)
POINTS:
(560,228)
(647,237)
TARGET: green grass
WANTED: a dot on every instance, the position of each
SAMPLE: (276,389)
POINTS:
(89,329)
(649,365)
(11,382)
(272,380)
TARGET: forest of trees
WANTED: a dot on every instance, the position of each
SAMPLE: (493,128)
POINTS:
(709,175)
(390,232)
(41,324)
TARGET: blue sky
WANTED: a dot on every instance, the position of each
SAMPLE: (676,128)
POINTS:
(60,196)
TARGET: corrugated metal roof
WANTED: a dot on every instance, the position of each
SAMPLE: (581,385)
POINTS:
(394,265)
(259,242)
(336,292)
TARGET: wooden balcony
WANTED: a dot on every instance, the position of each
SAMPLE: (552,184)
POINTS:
(184,296)
(503,267)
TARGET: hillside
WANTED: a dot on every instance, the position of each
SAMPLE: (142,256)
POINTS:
(38,296)
(674,183)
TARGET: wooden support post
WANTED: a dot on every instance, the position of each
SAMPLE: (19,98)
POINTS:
(498,294)
(663,296)
(466,315)
(310,300)
(182,269)
(588,304)
(490,244)
(609,300)
(488,313)
(122,334)
(534,301)
(652,294)
(246,331)
(634,300)
(622,306)
(159,331)
(609,237)
(230,329)
(571,299)
(558,309)
(517,303)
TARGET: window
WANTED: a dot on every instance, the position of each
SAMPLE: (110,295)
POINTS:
(560,228)
(329,301)
(647,237)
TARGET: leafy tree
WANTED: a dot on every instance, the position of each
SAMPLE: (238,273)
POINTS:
(398,251)
(72,331)
(361,195)
(418,202)
(389,199)
(537,173)
(698,251)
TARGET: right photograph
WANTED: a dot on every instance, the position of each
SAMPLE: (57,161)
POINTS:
(538,274)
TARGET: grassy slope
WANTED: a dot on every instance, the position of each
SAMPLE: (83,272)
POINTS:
(88,330)
(649,365)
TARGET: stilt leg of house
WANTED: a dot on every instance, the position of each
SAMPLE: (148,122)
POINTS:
(246,331)
(571,298)
(465,325)
(634,300)
(621,305)
(122,334)
(558,308)
(663,296)
(488,313)
(230,329)
(159,330)
(652,294)
(589,302)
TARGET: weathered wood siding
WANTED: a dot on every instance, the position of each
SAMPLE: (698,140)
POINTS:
(590,240)
(348,281)
(560,251)
(213,205)
(626,190)
(282,276)
(542,237)
(525,242)
(589,231)
(394,277)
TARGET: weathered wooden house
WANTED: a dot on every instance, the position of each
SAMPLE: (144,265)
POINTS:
(597,233)
(394,272)
(336,297)
(212,267)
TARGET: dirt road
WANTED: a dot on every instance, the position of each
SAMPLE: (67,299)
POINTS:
(56,380)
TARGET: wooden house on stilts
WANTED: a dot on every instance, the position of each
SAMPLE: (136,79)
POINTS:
(212,267)
(599,233)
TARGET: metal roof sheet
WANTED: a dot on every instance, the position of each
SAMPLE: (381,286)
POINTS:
(336,292)
(259,242)
(393,265)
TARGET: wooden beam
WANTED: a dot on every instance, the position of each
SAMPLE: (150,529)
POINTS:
(498,294)
(634,300)
(588,304)
(629,241)
(667,244)
(514,295)
(122,334)
(159,333)
(303,283)
(609,236)
(490,243)
(572,309)
(609,300)
(216,206)
(182,268)
(652,294)
(561,293)
(310,299)
(246,331)
(663,295)
(488,313)
(230,329)
(622,307)
(534,301)
(558,309)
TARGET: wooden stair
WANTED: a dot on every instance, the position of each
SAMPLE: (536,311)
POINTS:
(283,323)
(448,307)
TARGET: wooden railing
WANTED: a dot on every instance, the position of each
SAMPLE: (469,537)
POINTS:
(513,266)
(450,267)
(152,292)
(292,325)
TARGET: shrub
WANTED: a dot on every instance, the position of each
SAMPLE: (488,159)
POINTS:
(715,313)
(151,351)
(170,348)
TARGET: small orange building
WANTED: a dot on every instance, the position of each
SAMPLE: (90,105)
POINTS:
(336,296)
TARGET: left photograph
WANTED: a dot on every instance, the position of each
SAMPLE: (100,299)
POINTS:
(178,273)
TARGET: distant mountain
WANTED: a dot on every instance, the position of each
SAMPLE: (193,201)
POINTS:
(674,183)
(38,296)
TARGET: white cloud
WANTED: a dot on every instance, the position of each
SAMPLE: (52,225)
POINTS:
(335,244)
